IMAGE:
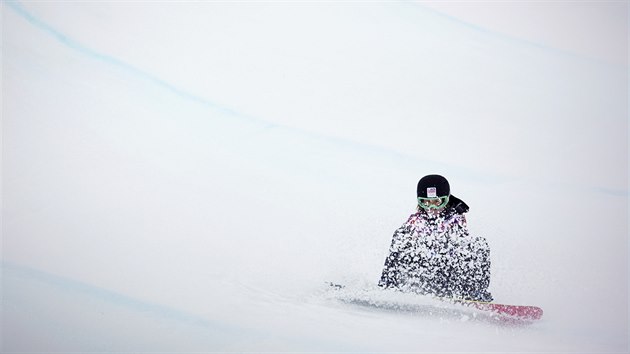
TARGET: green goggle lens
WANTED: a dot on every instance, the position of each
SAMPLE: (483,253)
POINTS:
(432,203)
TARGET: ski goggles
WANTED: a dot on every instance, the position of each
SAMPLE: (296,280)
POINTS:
(433,203)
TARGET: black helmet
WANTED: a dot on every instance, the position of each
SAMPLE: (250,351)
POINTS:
(433,186)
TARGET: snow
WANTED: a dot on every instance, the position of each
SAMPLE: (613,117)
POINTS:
(188,177)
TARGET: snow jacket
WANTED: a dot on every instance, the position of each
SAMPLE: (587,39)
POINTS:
(436,255)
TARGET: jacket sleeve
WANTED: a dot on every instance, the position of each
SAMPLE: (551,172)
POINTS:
(480,272)
(392,275)
(474,267)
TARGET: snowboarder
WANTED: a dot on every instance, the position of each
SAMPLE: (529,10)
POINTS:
(433,252)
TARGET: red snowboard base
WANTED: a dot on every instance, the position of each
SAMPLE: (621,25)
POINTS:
(520,312)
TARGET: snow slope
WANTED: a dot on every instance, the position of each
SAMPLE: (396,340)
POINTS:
(187,177)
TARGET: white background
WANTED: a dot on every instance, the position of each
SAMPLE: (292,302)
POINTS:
(187,176)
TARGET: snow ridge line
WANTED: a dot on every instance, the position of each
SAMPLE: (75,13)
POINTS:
(106,295)
(373,150)
(108,59)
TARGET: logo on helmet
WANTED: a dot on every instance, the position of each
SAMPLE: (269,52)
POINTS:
(431,192)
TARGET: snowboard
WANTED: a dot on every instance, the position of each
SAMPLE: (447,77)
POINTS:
(522,312)
(416,304)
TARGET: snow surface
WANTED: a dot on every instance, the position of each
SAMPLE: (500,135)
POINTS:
(186,177)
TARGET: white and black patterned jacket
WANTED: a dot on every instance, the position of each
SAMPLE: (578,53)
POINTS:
(436,255)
